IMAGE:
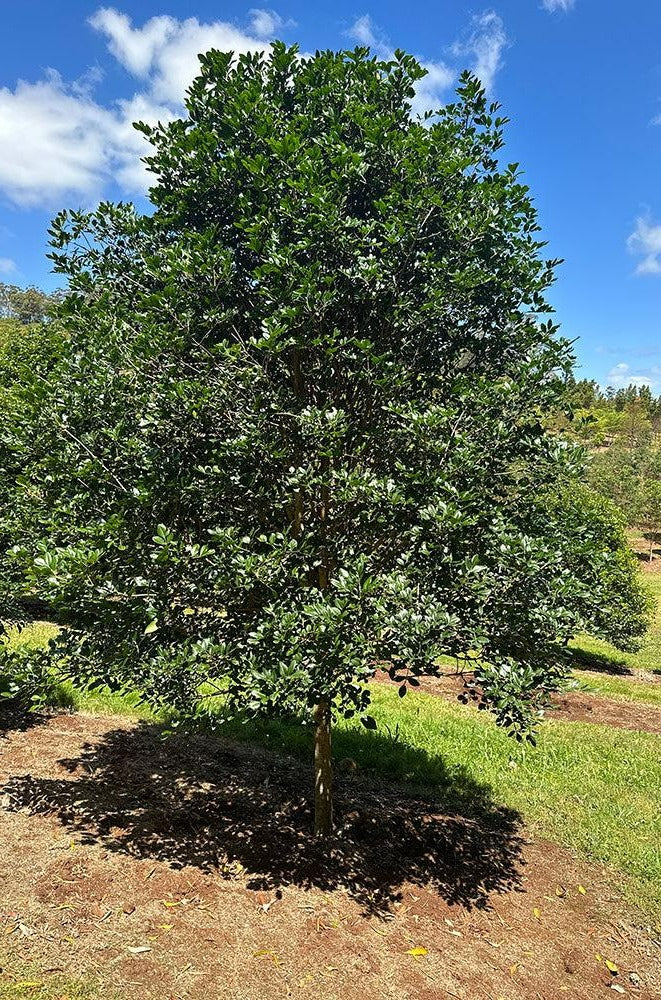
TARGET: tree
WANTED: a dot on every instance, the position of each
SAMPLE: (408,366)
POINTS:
(650,510)
(26,305)
(296,429)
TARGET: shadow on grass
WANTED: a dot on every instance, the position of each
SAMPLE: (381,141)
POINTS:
(583,659)
(200,801)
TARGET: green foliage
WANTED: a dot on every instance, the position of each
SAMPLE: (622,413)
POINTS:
(26,306)
(26,354)
(590,650)
(295,430)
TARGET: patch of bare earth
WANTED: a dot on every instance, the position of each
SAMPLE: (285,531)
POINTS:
(184,869)
(571,706)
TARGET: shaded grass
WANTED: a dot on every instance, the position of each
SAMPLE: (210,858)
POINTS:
(34,636)
(601,656)
(592,788)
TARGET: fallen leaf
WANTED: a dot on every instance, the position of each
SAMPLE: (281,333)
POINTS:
(166,927)
(537,913)
(139,950)
(513,969)
(582,890)
(611,966)
(169,903)
(417,952)
(265,951)
(560,891)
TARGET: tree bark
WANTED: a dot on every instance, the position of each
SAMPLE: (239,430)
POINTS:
(323,771)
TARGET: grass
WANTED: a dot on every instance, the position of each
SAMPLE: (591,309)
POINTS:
(605,657)
(21,982)
(592,788)
(618,688)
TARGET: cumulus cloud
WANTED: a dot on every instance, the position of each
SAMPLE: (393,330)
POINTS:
(53,141)
(59,143)
(267,23)
(622,375)
(645,243)
(554,5)
(483,47)
(7,266)
(166,50)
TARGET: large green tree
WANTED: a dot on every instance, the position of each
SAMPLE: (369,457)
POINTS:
(296,432)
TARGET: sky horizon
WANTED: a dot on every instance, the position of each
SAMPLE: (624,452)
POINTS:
(580,81)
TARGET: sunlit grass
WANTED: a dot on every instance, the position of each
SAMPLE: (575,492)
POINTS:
(618,688)
(648,658)
(19,981)
(592,788)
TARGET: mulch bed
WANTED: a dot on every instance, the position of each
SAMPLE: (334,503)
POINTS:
(185,869)
(571,706)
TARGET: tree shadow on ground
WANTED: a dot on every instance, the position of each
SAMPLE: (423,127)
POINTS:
(196,800)
(583,659)
(15,718)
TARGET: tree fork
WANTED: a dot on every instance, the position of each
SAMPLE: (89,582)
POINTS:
(323,771)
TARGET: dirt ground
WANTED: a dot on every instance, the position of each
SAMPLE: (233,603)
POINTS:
(184,869)
(570,706)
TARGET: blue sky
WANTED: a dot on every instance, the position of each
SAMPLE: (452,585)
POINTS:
(580,79)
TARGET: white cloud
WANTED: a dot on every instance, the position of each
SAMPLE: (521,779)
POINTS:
(622,375)
(165,51)
(645,242)
(554,5)
(134,48)
(363,32)
(484,46)
(58,143)
(267,23)
(7,266)
(53,142)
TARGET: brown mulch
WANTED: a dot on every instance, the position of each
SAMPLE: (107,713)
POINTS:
(574,706)
(570,706)
(197,851)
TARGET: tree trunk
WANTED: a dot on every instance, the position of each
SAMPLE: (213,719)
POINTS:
(323,771)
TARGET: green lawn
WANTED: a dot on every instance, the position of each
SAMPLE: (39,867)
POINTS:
(603,657)
(592,788)
(618,688)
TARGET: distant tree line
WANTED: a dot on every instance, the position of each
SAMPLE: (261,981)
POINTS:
(622,430)
(26,305)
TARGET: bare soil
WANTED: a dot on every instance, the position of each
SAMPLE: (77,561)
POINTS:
(571,706)
(184,869)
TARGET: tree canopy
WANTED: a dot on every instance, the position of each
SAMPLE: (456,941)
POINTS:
(296,429)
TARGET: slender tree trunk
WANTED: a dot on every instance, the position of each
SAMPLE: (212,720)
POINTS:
(323,771)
